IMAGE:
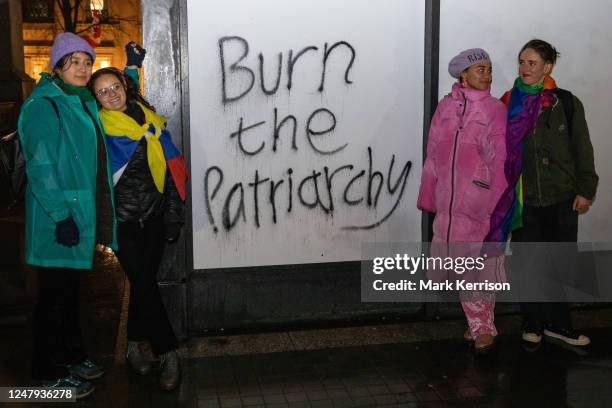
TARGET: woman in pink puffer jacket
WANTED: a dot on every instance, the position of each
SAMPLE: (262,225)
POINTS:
(463,176)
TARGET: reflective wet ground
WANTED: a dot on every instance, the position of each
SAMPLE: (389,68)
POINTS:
(390,365)
(422,374)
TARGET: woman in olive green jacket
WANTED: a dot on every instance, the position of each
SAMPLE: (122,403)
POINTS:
(551,165)
(69,208)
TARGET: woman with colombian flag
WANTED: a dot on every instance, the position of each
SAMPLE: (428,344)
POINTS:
(149,183)
(551,180)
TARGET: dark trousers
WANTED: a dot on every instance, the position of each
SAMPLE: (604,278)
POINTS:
(140,252)
(57,331)
(554,223)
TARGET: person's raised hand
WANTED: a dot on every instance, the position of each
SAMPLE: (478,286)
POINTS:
(135,54)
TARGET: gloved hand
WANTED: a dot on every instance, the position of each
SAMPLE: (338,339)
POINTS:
(135,54)
(172,231)
(67,232)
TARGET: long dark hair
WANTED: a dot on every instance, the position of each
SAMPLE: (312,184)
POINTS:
(132,89)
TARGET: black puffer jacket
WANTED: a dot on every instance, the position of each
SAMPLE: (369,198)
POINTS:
(137,198)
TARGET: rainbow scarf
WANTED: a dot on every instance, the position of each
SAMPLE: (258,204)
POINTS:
(122,137)
(523,103)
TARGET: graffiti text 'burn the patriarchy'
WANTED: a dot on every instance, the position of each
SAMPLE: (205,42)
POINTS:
(337,184)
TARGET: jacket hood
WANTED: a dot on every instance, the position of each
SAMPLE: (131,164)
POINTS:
(471,94)
(46,87)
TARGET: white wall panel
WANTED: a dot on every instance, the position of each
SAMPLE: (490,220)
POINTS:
(379,109)
(581,32)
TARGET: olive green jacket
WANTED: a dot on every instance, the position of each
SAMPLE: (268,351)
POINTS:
(557,164)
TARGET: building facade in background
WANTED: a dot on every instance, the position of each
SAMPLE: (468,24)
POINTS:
(107,24)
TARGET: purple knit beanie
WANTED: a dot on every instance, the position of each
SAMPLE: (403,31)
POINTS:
(67,43)
(465,59)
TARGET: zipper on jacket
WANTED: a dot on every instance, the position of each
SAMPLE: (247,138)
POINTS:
(450,207)
(537,168)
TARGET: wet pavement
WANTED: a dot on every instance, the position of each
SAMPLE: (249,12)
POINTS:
(419,364)
(437,373)
(421,374)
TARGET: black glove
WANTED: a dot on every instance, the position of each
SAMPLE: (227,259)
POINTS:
(135,54)
(172,231)
(67,232)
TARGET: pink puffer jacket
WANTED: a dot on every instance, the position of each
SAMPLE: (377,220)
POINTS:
(463,176)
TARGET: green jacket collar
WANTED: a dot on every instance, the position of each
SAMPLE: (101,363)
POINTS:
(49,86)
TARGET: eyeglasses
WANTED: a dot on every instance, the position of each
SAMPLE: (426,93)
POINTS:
(104,92)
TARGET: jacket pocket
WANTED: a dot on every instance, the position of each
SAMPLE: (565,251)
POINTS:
(82,209)
(481,184)
(475,200)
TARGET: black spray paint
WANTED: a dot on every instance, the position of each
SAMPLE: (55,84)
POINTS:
(316,191)
(326,190)
(233,71)
(291,124)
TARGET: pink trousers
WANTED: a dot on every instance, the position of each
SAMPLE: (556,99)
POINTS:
(480,314)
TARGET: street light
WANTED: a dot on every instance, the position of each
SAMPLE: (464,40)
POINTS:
(96,5)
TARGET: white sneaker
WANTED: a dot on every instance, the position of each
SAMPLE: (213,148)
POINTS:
(568,336)
(532,337)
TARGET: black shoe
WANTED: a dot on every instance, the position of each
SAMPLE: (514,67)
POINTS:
(170,375)
(568,336)
(139,362)
(531,347)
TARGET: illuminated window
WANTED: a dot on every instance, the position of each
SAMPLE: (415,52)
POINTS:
(35,65)
(103,61)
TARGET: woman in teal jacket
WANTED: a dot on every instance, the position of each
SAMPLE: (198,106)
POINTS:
(69,208)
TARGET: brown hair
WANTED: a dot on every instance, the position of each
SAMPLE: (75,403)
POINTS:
(132,90)
(545,50)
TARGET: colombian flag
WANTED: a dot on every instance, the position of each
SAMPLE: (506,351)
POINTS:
(122,137)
